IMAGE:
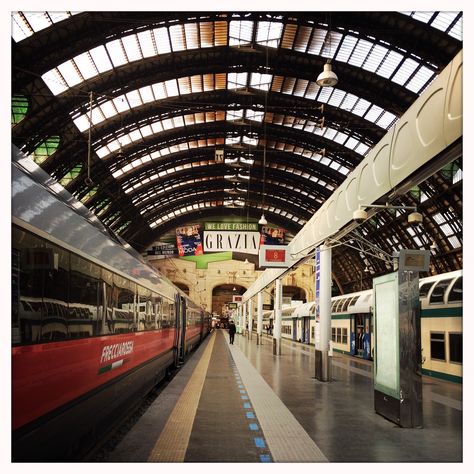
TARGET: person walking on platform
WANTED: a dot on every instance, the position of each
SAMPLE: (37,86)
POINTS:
(232,331)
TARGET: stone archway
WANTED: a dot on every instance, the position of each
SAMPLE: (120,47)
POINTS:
(296,293)
(222,295)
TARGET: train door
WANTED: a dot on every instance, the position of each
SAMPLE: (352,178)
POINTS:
(367,346)
(295,328)
(353,335)
(180,333)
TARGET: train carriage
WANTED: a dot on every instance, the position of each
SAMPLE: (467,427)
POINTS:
(94,328)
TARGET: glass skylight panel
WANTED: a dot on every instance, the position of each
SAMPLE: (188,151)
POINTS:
(236,80)
(85,65)
(375,58)
(421,78)
(454,241)
(325,94)
(116,52)
(260,81)
(54,81)
(405,71)
(177,37)
(269,33)
(146,43)
(374,113)
(146,94)
(317,41)
(121,103)
(362,148)
(456,30)
(172,88)
(70,74)
(386,120)
(333,39)
(196,83)
(240,32)
(360,53)
(361,107)
(191,35)
(132,49)
(101,59)
(443,20)
(341,138)
(20,29)
(207,34)
(346,48)
(162,40)
(38,20)
(133,98)
(108,109)
(302,38)
(390,63)
(337,97)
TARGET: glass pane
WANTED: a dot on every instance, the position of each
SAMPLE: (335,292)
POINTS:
(455,294)
(437,296)
(455,347)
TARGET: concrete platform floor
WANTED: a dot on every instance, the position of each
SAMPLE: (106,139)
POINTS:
(240,403)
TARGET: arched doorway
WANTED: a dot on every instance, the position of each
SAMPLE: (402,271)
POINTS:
(291,293)
(222,295)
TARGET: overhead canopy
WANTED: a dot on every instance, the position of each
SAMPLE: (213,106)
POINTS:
(157,93)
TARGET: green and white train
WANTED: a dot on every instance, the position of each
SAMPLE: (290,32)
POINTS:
(352,324)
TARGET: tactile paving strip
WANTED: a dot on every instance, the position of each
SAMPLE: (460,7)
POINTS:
(286,438)
(172,444)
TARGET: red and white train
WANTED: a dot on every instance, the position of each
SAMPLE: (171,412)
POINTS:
(94,328)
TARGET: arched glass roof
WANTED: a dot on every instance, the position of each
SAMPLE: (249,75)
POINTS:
(155,94)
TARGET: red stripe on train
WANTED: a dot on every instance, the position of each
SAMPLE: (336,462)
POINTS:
(46,376)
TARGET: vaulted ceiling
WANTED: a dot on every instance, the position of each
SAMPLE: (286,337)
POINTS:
(138,103)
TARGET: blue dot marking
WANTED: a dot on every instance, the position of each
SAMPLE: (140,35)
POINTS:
(265,458)
(247,405)
(250,415)
(244,397)
(259,442)
(240,386)
(253,426)
(242,391)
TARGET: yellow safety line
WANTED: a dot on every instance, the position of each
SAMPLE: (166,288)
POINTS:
(173,442)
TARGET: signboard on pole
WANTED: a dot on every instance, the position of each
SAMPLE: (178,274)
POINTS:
(317,316)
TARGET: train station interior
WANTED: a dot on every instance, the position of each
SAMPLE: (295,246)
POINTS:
(295,177)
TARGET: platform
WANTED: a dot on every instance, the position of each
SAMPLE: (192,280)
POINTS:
(240,403)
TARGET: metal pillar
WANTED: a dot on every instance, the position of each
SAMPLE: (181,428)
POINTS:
(250,307)
(259,317)
(244,318)
(277,323)
(323,314)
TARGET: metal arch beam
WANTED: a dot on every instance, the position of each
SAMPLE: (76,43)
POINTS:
(277,103)
(89,29)
(222,59)
(220,184)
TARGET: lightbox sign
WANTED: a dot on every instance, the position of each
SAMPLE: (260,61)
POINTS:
(274,256)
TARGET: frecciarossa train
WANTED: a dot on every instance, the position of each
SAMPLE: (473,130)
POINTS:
(94,328)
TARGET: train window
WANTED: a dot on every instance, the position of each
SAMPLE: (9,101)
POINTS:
(345,304)
(438,346)
(85,296)
(338,334)
(353,300)
(144,307)
(437,295)
(455,347)
(333,306)
(425,288)
(123,302)
(455,293)
(344,335)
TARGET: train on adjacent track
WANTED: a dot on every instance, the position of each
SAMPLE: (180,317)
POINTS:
(94,328)
(352,324)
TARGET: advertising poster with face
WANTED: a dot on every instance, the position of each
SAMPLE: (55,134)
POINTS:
(188,240)
(272,236)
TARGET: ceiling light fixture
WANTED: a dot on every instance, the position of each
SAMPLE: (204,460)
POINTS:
(328,77)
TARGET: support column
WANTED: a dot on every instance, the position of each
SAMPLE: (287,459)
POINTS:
(239,309)
(244,318)
(250,308)
(259,317)
(323,313)
(277,323)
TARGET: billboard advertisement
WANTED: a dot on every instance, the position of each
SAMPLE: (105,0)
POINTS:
(188,240)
